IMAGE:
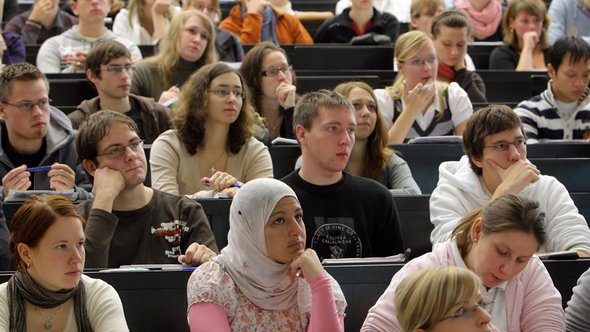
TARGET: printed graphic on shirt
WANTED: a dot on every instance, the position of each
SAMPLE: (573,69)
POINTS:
(336,240)
(171,232)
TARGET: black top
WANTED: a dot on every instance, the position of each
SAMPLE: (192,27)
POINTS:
(339,29)
(505,57)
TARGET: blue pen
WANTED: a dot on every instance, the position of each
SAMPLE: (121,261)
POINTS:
(39,169)
(235,185)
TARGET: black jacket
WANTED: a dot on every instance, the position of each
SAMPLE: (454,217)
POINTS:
(339,29)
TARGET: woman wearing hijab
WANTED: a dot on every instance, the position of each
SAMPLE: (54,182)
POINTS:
(265,276)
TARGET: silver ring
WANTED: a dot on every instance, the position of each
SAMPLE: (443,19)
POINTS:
(78,63)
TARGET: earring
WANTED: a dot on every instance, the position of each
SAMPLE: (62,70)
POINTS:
(28,264)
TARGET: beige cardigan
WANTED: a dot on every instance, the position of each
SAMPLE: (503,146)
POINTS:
(175,171)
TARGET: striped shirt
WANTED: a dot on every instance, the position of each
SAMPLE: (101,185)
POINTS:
(543,121)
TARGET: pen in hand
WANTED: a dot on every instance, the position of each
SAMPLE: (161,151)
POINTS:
(235,185)
(39,169)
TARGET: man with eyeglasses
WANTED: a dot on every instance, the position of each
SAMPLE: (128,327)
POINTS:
(110,69)
(66,53)
(495,164)
(33,133)
(127,222)
(562,111)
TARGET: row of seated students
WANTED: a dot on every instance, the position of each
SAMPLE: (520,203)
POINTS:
(220,81)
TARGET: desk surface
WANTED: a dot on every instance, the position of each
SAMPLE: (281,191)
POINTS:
(156,300)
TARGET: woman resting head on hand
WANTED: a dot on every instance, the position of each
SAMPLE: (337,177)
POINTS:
(265,276)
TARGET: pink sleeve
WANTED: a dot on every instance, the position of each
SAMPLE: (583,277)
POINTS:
(207,316)
(324,315)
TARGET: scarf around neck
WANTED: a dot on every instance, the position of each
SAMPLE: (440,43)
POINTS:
(446,73)
(22,287)
(486,22)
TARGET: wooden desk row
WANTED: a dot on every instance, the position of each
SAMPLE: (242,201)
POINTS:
(156,300)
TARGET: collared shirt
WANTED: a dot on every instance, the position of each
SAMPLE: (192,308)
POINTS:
(497,294)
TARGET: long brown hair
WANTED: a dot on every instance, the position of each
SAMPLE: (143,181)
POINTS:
(191,111)
(506,213)
(377,153)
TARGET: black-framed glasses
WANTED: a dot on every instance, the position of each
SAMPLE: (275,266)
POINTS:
(503,146)
(224,93)
(27,106)
(119,150)
(117,69)
(272,72)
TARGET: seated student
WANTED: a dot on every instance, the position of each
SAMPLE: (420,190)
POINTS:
(212,148)
(339,223)
(569,18)
(48,290)
(265,276)
(423,12)
(398,8)
(137,22)
(66,52)
(129,223)
(12,48)
(498,243)
(576,312)
(186,48)
(417,104)
(110,69)
(227,44)
(495,164)
(271,80)
(370,156)
(485,17)
(562,112)
(32,134)
(44,20)
(451,33)
(442,299)
(360,19)
(524,28)
(255,21)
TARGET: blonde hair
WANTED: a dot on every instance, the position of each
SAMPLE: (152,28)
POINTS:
(427,296)
(408,45)
(168,55)
(532,7)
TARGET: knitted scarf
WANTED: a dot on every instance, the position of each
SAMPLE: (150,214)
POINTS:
(22,287)
(445,72)
(486,22)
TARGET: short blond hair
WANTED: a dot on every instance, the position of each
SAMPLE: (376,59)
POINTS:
(427,296)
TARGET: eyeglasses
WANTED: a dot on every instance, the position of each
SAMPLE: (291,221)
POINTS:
(194,31)
(275,71)
(27,106)
(372,107)
(117,69)
(202,7)
(119,150)
(503,146)
(468,311)
(420,62)
(224,93)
